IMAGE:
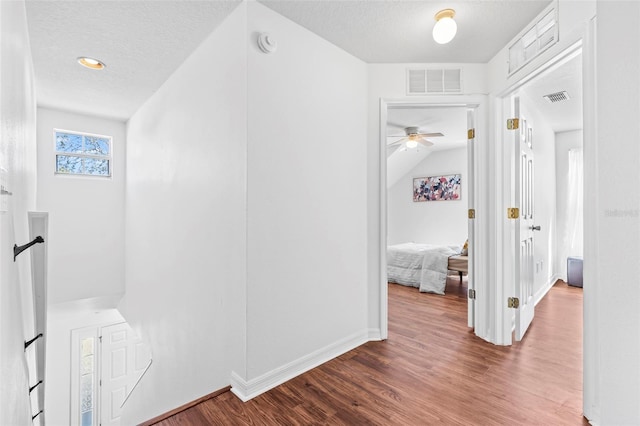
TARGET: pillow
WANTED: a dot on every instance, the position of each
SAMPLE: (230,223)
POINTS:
(465,248)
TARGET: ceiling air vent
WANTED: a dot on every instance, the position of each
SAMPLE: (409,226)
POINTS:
(557,97)
(434,81)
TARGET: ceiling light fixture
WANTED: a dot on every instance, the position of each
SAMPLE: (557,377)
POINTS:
(412,142)
(445,29)
(91,63)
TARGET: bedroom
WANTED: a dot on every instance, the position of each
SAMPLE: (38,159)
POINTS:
(434,218)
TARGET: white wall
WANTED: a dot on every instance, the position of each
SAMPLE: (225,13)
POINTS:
(185,225)
(429,222)
(565,141)
(86,214)
(18,161)
(307,200)
(612,223)
(544,202)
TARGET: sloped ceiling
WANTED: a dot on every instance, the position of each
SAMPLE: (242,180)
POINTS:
(144,41)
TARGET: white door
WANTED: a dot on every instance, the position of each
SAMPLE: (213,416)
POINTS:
(524,223)
(124,359)
(471,228)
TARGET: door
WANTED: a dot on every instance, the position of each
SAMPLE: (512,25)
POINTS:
(471,136)
(124,359)
(524,223)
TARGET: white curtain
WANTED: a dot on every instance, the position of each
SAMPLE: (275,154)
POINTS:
(572,240)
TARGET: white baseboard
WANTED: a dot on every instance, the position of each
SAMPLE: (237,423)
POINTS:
(246,390)
(544,290)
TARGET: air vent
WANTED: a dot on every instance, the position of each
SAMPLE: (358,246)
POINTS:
(434,81)
(557,97)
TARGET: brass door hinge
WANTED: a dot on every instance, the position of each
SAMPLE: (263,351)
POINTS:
(472,213)
(471,134)
(513,213)
(472,294)
(513,302)
(513,123)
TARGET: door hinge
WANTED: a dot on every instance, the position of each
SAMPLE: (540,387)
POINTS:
(472,294)
(100,339)
(472,213)
(471,134)
(513,213)
(513,123)
(513,302)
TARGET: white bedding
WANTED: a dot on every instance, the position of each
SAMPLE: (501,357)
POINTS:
(419,265)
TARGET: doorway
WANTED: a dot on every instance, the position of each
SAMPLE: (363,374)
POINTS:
(473,107)
(548,111)
(106,364)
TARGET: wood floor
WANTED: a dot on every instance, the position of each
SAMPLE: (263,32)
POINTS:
(431,370)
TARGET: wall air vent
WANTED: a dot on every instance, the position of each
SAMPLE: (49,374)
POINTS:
(557,97)
(434,81)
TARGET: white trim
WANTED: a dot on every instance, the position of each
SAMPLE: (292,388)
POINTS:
(545,289)
(246,390)
(590,361)
(481,168)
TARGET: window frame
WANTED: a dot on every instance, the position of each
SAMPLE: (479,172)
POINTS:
(56,153)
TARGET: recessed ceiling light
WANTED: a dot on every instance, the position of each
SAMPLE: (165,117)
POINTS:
(91,63)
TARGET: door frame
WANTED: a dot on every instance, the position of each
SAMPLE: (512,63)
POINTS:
(478,164)
(505,151)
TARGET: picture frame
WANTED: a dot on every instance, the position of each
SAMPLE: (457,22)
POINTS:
(437,188)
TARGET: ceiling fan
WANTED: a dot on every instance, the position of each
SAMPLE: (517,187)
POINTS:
(413,137)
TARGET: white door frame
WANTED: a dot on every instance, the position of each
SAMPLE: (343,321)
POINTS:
(477,236)
(586,43)
(505,151)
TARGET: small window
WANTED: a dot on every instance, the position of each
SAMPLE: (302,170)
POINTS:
(82,154)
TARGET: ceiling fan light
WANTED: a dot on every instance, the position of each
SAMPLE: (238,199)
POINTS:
(446,28)
(412,143)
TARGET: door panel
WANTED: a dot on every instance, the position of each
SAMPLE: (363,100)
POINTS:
(524,227)
(124,359)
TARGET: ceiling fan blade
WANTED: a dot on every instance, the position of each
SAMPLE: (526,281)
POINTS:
(425,142)
(430,135)
(398,142)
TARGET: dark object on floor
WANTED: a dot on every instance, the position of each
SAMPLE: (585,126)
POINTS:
(574,271)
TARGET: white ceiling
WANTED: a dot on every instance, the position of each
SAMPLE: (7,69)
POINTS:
(144,41)
(397,31)
(567,76)
(450,121)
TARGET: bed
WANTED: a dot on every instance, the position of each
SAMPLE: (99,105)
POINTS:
(424,266)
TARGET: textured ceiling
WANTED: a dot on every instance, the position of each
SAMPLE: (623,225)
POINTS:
(399,31)
(142,42)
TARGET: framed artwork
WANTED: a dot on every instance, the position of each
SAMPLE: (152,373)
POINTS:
(437,188)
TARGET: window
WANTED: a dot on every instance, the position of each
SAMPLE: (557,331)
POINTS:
(82,153)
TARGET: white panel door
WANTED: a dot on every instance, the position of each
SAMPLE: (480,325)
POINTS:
(524,227)
(124,359)
(471,305)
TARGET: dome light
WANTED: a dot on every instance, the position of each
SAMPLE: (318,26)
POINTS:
(445,29)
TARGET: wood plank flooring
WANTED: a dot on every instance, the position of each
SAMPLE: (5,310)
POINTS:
(432,370)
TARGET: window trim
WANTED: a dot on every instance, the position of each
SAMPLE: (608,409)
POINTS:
(82,155)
